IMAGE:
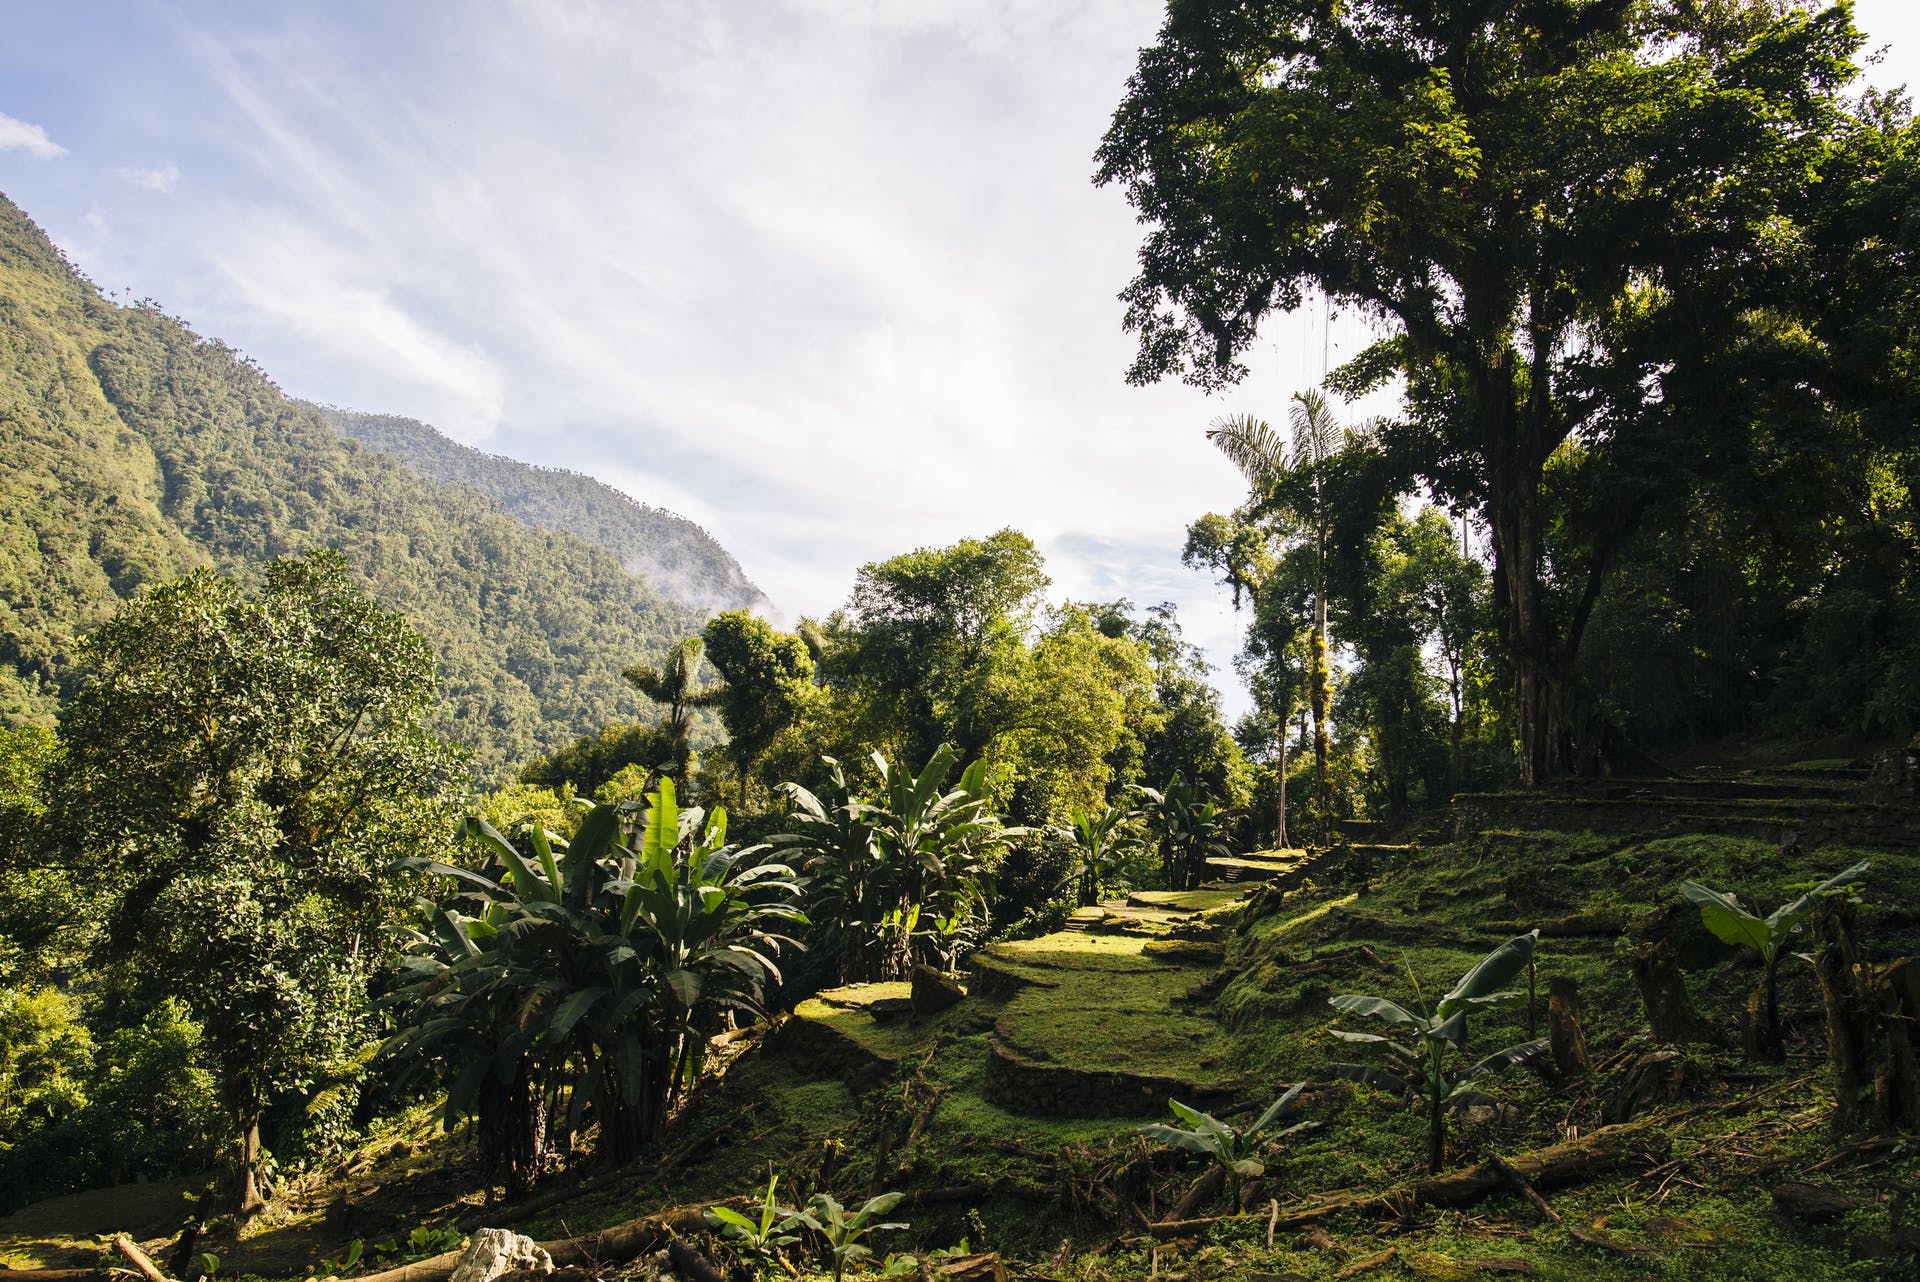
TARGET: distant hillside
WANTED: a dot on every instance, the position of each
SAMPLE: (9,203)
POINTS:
(131,449)
(679,558)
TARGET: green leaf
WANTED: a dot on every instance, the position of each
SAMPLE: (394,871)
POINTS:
(1492,973)
(1275,1110)
(1723,915)
(1378,1007)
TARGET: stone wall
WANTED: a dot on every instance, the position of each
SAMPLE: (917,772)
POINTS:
(1049,1090)
(1813,823)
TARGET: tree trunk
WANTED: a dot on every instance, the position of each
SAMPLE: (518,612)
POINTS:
(1280,828)
(1565,1039)
(1670,1013)
(1872,1015)
(243,1177)
(1320,697)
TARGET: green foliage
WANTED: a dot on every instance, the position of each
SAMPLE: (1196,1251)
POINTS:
(761,1237)
(1229,1147)
(239,770)
(580,979)
(1189,828)
(1423,1067)
(589,762)
(844,1233)
(1103,845)
(901,877)
(769,682)
(1733,924)
(1495,188)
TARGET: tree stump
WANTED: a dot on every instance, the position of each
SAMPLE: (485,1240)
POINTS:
(1565,1041)
(1872,1017)
(1663,991)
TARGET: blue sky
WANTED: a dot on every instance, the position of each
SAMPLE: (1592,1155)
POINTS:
(828,277)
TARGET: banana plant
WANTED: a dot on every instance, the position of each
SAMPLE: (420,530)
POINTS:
(1102,844)
(1733,924)
(843,1232)
(916,851)
(1231,1149)
(762,1236)
(590,971)
(1420,1062)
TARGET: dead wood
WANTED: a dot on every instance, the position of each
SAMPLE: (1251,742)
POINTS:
(1565,1039)
(614,1245)
(142,1262)
(1518,1183)
(1663,991)
(1571,1162)
(692,1265)
(1373,1261)
(1202,1191)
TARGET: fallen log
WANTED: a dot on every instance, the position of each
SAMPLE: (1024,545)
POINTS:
(142,1262)
(614,1245)
(1572,1162)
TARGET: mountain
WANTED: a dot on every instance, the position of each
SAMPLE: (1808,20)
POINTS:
(680,559)
(132,450)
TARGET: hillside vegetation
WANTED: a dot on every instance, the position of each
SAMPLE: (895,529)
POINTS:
(132,450)
(676,556)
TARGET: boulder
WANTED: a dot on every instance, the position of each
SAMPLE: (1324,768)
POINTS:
(934,992)
(491,1253)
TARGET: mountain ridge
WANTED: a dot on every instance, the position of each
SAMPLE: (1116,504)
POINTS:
(695,569)
(133,449)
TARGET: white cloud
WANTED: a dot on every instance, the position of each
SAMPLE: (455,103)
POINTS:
(18,135)
(159,178)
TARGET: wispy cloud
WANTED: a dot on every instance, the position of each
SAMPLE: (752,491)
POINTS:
(159,178)
(18,135)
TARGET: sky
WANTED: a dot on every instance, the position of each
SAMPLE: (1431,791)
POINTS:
(829,277)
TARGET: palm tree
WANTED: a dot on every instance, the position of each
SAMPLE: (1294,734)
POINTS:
(675,685)
(1251,445)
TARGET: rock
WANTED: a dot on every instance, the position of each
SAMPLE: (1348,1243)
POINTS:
(1811,1202)
(493,1252)
(934,992)
(884,1010)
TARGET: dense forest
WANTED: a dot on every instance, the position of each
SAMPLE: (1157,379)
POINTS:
(1547,914)
(135,450)
(682,561)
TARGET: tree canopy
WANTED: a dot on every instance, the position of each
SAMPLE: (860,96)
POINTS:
(1523,193)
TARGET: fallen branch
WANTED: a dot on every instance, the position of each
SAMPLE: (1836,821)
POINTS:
(142,1262)
(1572,1162)
(1373,1261)
(1518,1183)
(614,1245)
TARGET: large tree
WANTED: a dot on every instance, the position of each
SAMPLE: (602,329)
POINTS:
(1507,186)
(241,769)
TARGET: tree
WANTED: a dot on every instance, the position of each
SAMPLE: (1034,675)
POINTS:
(241,767)
(675,686)
(1293,492)
(934,642)
(1503,184)
(769,678)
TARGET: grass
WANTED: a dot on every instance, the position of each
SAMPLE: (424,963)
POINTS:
(1095,1001)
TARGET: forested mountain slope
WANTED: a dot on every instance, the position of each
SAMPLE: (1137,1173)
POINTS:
(679,558)
(132,449)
